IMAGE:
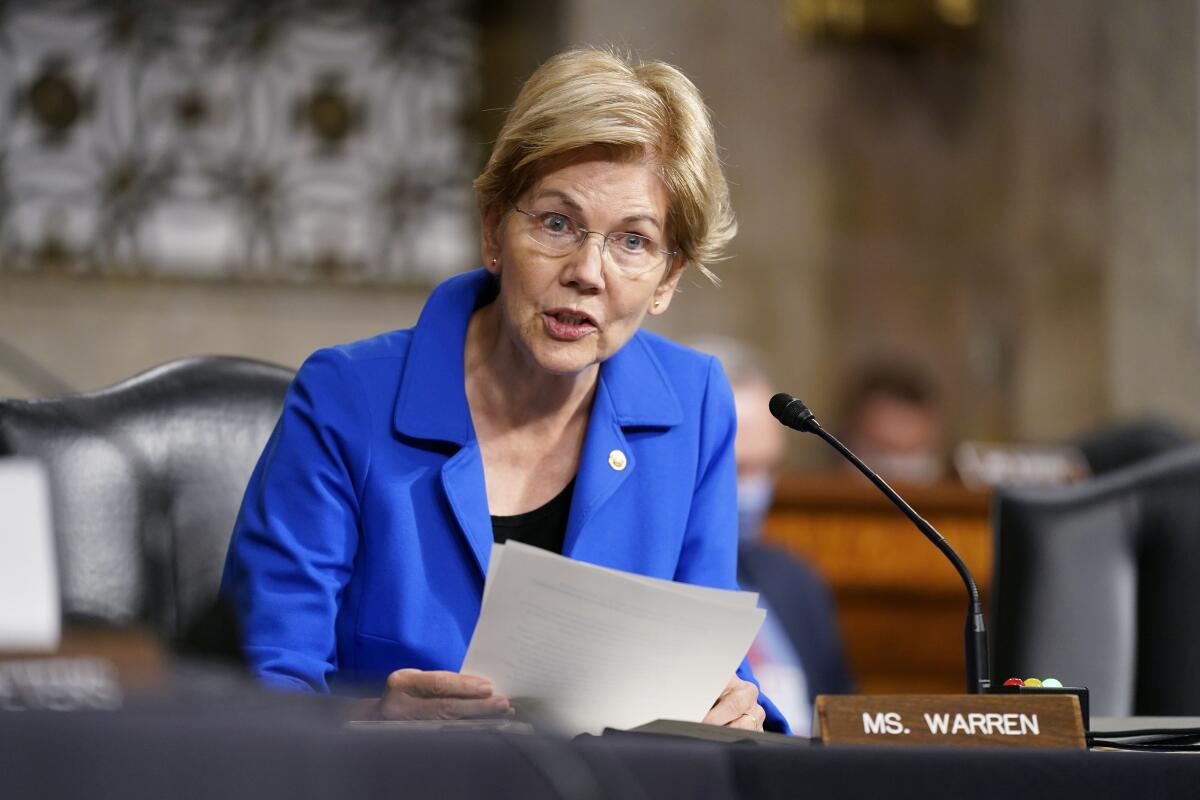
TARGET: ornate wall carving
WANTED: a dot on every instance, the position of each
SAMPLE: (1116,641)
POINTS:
(280,141)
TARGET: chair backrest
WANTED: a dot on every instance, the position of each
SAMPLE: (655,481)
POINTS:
(1122,444)
(1097,585)
(146,479)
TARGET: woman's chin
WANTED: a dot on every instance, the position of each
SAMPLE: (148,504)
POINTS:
(565,358)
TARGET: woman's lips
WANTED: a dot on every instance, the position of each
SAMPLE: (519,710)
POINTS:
(567,325)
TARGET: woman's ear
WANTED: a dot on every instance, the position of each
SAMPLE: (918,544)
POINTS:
(489,238)
(666,288)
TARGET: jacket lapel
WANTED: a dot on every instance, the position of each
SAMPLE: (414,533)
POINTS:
(466,491)
(431,404)
(604,447)
(632,392)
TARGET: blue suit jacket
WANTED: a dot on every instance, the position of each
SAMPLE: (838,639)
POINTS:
(804,608)
(363,539)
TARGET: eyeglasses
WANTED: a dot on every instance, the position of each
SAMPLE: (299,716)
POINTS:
(558,234)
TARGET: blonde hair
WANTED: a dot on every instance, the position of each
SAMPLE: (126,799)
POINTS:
(597,98)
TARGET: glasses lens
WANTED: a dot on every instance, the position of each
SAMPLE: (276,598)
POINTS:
(633,254)
(557,233)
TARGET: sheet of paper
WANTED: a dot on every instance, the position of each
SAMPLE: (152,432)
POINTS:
(29,606)
(580,647)
(737,598)
(730,596)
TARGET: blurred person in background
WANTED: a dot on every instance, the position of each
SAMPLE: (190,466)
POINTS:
(525,405)
(893,422)
(798,653)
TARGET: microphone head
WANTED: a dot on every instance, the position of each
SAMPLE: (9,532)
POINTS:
(779,404)
(793,413)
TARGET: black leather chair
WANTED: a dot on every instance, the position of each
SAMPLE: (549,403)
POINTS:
(1122,444)
(1098,584)
(146,478)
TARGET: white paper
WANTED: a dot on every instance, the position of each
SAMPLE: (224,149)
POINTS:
(29,607)
(580,647)
(731,596)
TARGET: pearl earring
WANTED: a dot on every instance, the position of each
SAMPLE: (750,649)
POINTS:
(657,303)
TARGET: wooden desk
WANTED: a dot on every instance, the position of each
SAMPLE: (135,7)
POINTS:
(137,655)
(901,605)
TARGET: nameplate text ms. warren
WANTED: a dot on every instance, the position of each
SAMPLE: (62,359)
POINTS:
(950,719)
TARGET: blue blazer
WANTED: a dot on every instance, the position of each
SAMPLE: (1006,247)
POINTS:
(363,539)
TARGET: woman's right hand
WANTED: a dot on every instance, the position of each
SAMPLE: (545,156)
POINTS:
(420,694)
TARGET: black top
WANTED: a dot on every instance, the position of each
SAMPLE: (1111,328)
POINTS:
(544,527)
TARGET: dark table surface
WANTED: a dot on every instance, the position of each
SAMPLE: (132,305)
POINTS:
(214,737)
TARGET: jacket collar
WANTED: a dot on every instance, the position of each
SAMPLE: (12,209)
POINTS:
(432,400)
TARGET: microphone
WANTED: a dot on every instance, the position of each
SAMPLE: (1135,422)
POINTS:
(794,414)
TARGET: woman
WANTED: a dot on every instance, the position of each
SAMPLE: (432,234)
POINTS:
(525,404)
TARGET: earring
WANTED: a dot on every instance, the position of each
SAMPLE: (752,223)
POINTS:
(493,262)
(657,303)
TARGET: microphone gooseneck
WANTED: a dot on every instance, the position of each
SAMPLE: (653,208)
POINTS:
(794,414)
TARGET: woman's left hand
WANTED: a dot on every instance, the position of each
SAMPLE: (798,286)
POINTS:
(737,707)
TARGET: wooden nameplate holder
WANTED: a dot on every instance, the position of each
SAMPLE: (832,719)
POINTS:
(956,720)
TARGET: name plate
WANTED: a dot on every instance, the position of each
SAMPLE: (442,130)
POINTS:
(959,720)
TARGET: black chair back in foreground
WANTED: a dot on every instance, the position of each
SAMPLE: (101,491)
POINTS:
(146,479)
(1097,584)
(1122,444)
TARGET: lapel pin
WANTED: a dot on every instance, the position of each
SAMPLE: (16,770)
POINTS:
(617,460)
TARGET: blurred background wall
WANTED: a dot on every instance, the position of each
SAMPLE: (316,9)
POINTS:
(1001,193)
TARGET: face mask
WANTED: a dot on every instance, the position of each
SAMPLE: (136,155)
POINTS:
(754,495)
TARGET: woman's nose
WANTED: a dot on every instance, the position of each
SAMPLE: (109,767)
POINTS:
(585,269)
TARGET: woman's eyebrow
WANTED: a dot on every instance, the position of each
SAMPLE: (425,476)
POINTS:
(642,218)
